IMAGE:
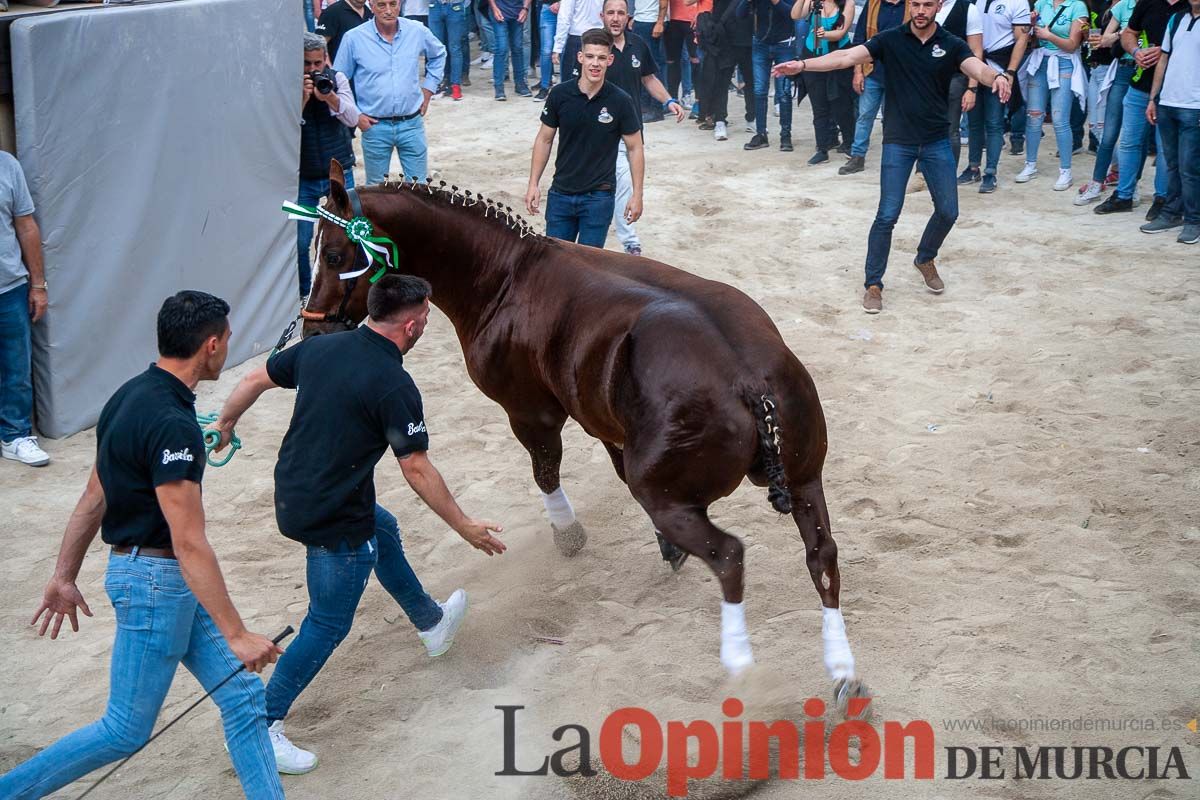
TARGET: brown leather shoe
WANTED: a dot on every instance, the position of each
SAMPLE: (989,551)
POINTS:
(873,300)
(932,281)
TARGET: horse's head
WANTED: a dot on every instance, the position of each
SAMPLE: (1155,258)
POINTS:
(336,304)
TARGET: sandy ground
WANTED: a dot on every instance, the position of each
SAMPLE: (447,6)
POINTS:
(1011,479)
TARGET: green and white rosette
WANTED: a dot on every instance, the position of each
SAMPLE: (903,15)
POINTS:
(379,250)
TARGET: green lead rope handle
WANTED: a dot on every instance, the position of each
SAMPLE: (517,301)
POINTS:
(212,438)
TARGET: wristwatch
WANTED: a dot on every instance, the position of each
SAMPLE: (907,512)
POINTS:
(43,286)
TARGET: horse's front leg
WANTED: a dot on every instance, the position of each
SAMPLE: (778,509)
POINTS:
(541,435)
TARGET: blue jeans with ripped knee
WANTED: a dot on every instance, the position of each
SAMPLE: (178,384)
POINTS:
(337,577)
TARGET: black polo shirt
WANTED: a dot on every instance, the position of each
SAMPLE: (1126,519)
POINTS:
(589,133)
(336,20)
(1151,17)
(147,436)
(355,400)
(630,65)
(916,86)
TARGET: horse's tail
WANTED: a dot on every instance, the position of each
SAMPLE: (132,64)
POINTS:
(767,421)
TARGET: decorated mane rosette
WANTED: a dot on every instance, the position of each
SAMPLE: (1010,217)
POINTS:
(379,250)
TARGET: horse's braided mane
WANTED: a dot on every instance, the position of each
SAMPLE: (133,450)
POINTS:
(452,195)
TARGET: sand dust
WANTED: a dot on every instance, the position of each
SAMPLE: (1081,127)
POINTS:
(1012,476)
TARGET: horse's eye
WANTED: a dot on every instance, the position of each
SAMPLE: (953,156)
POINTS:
(333,258)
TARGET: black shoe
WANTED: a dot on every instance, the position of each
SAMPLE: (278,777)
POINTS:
(1155,208)
(853,164)
(542,93)
(757,142)
(465,81)
(819,157)
(1017,148)
(1114,203)
(844,149)
(785,144)
(988,185)
(969,175)
(523,91)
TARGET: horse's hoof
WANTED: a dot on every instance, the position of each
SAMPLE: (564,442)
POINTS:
(569,540)
(846,690)
(677,562)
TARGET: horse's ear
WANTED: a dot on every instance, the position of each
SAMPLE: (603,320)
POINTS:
(337,185)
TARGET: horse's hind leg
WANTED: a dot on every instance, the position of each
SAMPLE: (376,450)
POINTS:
(689,528)
(541,435)
(670,553)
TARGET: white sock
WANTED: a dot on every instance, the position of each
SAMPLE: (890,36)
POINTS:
(558,508)
(735,641)
(839,661)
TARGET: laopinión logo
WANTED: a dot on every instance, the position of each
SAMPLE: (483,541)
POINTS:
(743,749)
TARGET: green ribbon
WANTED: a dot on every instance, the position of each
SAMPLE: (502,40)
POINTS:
(379,249)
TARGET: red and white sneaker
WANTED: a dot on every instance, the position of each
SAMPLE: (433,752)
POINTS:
(456,92)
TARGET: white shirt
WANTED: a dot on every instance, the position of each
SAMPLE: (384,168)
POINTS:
(415,8)
(576,17)
(645,11)
(999,17)
(1181,84)
(974,18)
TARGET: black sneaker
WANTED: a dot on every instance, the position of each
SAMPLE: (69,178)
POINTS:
(1017,148)
(1114,203)
(757,142)
(1155,208)
(844,149)
(542,93)
(853,164)
(523,91)
(969,175)
(988,185)
(819,157)
(785,144)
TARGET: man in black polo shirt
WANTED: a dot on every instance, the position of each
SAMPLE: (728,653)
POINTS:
(355,400)
(921,61)
(595,117)
(632,69)
(163,578)
(340,17)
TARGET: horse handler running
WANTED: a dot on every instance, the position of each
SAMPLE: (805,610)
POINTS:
(354,400)
(163,578)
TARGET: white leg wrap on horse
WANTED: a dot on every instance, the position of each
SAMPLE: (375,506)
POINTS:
(839,661)
(735,641)
(558,508)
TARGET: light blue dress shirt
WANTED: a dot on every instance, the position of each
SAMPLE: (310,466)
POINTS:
(387,76)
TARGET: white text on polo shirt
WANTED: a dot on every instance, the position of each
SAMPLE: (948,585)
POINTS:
(418,427)
(183,455)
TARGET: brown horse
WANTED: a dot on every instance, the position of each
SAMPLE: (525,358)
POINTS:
(686,381)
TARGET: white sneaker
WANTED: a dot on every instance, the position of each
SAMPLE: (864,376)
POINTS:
(720,132)
(25,449)
(289,759)
(1090,191)
(1027,174)
(750,127)
(1137,197)
(483,59)
(1064,180)
(687,100)
(439,638)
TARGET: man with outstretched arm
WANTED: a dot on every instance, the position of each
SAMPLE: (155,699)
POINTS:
(354,401)
(921,60)
(171,605)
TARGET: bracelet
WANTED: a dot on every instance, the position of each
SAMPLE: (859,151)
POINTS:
(1011,73)
(41,286)
(669,101)
(974,89)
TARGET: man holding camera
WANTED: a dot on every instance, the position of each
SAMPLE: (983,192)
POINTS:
(327,117)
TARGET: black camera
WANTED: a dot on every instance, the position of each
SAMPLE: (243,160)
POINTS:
(324,81)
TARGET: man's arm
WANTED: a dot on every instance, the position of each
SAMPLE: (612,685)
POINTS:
(427,482)
(181,505)
(435,67)
(1160,75)
(562,26)
(1000,83)
(29,237)
(541,157)
(659,92)
(975,42)
(1020,43)
(346,109)
(248,390)
(838,59)
(637,170)
(62,597)
(657,31)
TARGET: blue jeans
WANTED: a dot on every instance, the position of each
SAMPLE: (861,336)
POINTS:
(448,23)
(937,165)
(1179,134)
(868,107)
(310,21)
(159,625)
(579,217)
(1134,144)
(408,139)
(1058,101)
(764,57)
(16,364)
(508,36)
(1113,111)
(986,122)
(336,579)
(310,194)
(547,22)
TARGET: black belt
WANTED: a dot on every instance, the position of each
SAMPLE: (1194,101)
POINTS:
(153,552)
(404,118)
